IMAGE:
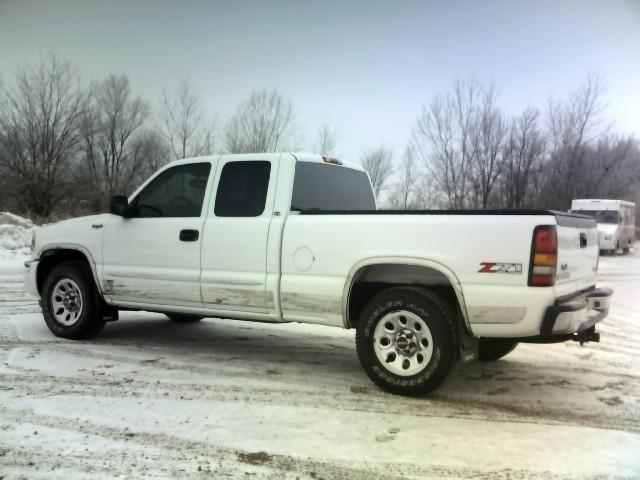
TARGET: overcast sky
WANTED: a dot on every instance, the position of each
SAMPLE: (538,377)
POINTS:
(366,67)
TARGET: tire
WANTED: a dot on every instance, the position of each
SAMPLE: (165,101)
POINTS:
(70,302)
(490,349)
(397,367)
(183,317)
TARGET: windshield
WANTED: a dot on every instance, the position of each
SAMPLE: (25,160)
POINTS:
(601,216)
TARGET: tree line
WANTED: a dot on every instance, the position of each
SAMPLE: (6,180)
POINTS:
(67,146)
(466,152)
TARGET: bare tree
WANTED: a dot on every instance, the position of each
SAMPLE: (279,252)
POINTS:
(403,196)
(523,156)
(377,162)
(149,152)
(427,193)
(488,161)
(573,126)
(578,120)
(326,140)
(39,118)
(263,123)
(184,123)
(614,168)
(109,126)
(446,139)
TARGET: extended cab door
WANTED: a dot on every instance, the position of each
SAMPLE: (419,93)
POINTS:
(154,256)
(236,235)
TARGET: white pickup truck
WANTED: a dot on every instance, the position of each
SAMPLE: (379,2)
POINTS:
(297,238)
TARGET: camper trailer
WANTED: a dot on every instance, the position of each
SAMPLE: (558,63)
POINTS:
(616,222)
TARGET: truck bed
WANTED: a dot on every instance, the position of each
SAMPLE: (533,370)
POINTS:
(460,241)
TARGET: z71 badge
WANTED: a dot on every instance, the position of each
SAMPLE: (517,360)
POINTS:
(498,267)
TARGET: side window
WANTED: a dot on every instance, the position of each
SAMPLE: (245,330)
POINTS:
(242,190)
(628,217)
(176,192)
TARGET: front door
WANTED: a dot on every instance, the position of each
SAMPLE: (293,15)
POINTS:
(153,257)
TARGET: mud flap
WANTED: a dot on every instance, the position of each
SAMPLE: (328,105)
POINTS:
(467,345)
(108,313)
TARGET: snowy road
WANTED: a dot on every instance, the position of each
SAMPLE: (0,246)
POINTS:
(227,399)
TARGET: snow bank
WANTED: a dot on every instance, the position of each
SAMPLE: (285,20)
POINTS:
(15,232)
(15,242)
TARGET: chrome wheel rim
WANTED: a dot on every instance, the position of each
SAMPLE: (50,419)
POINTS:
(66,302)
(403,343)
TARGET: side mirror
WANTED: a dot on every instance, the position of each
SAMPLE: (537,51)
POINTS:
(120,206)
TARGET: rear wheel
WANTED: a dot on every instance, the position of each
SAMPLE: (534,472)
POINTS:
(183,317)
(490,349)
(405,340)
(70,303)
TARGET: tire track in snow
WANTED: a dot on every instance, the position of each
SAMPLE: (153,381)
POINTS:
(274,464)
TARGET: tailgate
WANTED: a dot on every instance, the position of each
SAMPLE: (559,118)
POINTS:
(578,253)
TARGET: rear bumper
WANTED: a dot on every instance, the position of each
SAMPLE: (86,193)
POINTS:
(577,314)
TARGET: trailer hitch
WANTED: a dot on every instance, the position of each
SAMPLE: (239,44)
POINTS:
(589,335)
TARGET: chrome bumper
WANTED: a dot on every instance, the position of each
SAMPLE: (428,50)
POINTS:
(577,314)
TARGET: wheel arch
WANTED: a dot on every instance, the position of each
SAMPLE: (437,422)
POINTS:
(386,272)
(54,254)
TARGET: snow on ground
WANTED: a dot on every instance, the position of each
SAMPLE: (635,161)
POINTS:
(15,240)
(229,399)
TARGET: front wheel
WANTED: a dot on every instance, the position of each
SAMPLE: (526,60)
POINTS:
(70,304)
(405,340)
(490,349)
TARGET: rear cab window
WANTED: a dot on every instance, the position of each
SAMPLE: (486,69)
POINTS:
(322,186)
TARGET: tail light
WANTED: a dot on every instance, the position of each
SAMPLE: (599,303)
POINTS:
(544,256)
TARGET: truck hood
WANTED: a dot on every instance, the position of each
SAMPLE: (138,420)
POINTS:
(101,217)
(74,231)
(607,228)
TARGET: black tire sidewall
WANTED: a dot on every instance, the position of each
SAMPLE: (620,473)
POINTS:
(438,318)
(88,322)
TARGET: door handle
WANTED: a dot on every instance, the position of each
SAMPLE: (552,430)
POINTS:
(189,235)
(583,240)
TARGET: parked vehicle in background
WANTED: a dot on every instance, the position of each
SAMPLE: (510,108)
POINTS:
(298,238)
(616,222)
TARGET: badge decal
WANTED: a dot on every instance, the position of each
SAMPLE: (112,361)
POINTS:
(500,267)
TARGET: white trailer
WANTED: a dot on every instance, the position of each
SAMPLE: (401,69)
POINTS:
(616,221)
